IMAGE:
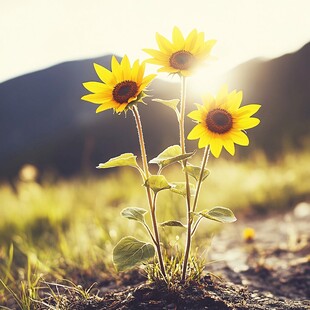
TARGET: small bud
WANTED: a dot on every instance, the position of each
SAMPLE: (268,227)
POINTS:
(248,234)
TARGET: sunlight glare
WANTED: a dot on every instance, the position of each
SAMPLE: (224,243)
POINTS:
(208,79)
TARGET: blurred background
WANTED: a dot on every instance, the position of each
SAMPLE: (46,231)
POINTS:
(51,141)
(47,51)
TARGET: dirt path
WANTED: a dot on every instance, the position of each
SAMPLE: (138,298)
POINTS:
(272,272)
(277,261)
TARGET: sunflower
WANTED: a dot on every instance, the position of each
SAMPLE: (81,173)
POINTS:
(181,55)
(222,122)
(122,86)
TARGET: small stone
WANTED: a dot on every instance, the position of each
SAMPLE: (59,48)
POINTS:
(302,210)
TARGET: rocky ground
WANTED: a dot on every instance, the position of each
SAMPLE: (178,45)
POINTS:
(265,267)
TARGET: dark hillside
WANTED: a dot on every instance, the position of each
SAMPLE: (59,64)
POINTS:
(43,120)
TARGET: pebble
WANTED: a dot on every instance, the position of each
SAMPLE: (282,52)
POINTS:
(302,210)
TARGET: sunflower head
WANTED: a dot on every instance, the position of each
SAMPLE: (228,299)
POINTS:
(222,122)
(120,88)
(181,55)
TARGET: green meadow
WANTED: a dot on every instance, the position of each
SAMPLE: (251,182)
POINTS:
(59,230)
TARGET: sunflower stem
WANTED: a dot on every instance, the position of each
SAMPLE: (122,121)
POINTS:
(203,165)
(182,113)
(196,225)
(188,197)
(152,203)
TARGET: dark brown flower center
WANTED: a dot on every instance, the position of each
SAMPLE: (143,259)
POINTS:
(181,60)
(123,91)
(219,121)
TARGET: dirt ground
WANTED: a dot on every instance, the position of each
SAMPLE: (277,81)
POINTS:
(269,271)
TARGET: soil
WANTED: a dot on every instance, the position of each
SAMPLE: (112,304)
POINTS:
(271,270)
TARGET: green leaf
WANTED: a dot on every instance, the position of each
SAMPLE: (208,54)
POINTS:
(157,183)
(130,252)
(219,214)
(173,224)
(126,159)
(136,214)
(180,188)
(170,155)
(171,103)
(194,171)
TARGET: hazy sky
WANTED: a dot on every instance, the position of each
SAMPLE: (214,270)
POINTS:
(35,34)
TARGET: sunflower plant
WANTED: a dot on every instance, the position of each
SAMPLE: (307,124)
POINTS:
(221,122)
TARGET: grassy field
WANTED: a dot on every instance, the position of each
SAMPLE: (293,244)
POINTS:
(64,229)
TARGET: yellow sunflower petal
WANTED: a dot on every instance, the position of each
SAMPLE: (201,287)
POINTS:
(158,55)
(135,70)
(125,65)
(117,70)
(199,42)
(196,132)
(158,62)
(186,72)
(195,115)
(134,98)
(146,81)
(248,110)
(240,138)
(168,69)
(190,40)
(104,74)
(201,144)
(177,38)
(164,44)
(206,48)
(95,98)
(208,100)
(247,123)
(140,73)
(205,139)
(96,87)
(229,146)
(222,95)
(216,146)
(235,100)
(106,106)
(121,108)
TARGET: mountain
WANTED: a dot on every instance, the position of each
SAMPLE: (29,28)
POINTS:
(282,86)
(43,121)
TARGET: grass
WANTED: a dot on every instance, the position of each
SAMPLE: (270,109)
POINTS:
(67,229)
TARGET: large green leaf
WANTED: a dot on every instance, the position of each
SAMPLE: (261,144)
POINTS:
(219,214)
(136,214)
(170,155)
(157,183)
(180,188)
(194,171)
(171,103)
(126,159)
(130,252)
(172,224)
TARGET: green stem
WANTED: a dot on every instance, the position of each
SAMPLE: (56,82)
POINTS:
(148,190)
(182,114)
(155,226)
(196,225)
(203,165)
(188,195)
(150,233)
(141,141)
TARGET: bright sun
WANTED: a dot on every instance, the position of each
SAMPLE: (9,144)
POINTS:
(207,80)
